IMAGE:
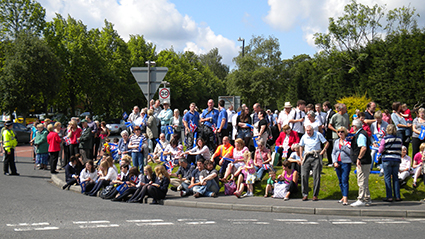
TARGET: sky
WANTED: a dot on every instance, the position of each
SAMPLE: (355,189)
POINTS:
(199,26)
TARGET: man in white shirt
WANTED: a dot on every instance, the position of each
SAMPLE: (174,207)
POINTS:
(284,116)
(297,118)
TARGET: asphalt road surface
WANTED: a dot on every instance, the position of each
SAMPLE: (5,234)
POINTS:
(32,207)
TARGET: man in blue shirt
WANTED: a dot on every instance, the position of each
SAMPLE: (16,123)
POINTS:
(209,119)
(191,123)
(165,117)
(222,122)
(311,160)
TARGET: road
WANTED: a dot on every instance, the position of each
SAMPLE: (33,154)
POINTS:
(32,207)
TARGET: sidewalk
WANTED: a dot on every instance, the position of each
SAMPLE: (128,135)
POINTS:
(322,207)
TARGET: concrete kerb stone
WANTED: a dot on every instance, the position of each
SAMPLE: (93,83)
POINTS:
(417,213)
(180,203)
(59,182)
(383,213)
(247,207)
(337,211)
(297,210)
(224,206)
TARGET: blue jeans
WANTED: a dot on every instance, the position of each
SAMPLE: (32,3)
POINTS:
(208,189)
(343,173)
(391,169)
(165,131)
(137,160)
(260,171)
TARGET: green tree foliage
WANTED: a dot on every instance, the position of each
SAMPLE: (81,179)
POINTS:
(18,16)
(213,60)
(257,77)
(190,80)
(30,77)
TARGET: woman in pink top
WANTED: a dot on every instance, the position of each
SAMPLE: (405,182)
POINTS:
(289,176)
(73,134)
(238,153)
(262,159)
(418,163)
(54,142)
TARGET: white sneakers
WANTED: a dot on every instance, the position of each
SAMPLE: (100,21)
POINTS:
(359,203)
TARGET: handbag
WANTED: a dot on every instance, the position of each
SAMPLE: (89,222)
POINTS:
(229,188)
(280,190)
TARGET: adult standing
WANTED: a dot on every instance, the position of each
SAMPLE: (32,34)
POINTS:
(73,134)
(418,122)
(152,128)
(222,123)
(134,115)
(342,162)
(284,116)
(314,121)
(103,134)
(360,155)
(261,127)
(370,112)
(378,129)
(136,150)
(400,123)
(165,117)
(86,142)
(61,157)
(390,149)
(32,135)
(337,120)
(297,118)
(321,116)
(230,113)
(244,131)
(93,126)
(191,123)
(9,144)
(40,141)
(209,119)
(123,144)
(176,122)
(327,108)
(54,142)
(311,159)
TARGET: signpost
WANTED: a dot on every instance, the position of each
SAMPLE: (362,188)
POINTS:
(149,79)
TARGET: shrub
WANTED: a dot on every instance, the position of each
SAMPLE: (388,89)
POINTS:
(355,102)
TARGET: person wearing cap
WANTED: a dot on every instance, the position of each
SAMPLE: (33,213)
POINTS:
(209,119)
(9,144)
(165,117)
(284,116)
(86,140)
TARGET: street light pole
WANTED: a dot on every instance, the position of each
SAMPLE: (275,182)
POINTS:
(243,45)
(149,63)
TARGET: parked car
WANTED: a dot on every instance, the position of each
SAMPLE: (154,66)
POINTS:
(22,133)
(115,125)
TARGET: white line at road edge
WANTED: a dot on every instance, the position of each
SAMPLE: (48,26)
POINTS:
(155,224)
(152,220)
(91,222)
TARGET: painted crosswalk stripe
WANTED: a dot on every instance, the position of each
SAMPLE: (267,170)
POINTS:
(155,224)
(393,222)
(262,223)
(243,220)
(347,223)
(190,219)
(291,220)
(99,226)
(312,223)
(145,220)
(35,229)
(90,222)
(200,223)
(46,228)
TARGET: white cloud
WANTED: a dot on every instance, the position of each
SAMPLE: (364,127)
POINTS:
(158,21)
(313,15)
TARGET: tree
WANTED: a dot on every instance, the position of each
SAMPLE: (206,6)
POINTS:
(18,16)
(213,60)
(31,75)
(257,77)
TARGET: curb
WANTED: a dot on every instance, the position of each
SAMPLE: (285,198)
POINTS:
(362,212)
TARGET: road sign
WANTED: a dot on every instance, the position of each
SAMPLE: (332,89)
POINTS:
(157,74)
(164,95)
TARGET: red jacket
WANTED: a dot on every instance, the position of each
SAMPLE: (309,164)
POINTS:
(54,142)
(293,138)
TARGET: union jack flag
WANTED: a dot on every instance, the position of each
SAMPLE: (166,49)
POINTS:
(266,166)
(169,166)
(347,143)
(214,129)
(192,127)
(113,149)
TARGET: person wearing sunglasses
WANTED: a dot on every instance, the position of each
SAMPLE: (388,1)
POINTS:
(342,162)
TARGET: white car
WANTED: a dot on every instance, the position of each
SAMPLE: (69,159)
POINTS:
(116,126)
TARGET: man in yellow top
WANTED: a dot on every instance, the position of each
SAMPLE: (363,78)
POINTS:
(223,151)
(9,144)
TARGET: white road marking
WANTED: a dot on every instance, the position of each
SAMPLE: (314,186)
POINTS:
(243,220)
(393,222)
(312,223)
(91,222)
(339,220)
(99,226)
(262,223)
(28,224)
(46,228)
(291,220)
(155,224)
(415,219)
(348,222)
(200,223)
(152,220)
(35,229)
(377,219)
(190,219)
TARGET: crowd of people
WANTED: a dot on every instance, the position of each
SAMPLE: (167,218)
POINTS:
(234,148)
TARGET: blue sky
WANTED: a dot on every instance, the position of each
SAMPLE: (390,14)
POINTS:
(199,26)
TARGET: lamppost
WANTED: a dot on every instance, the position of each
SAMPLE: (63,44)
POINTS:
(149,63)
(243,45)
